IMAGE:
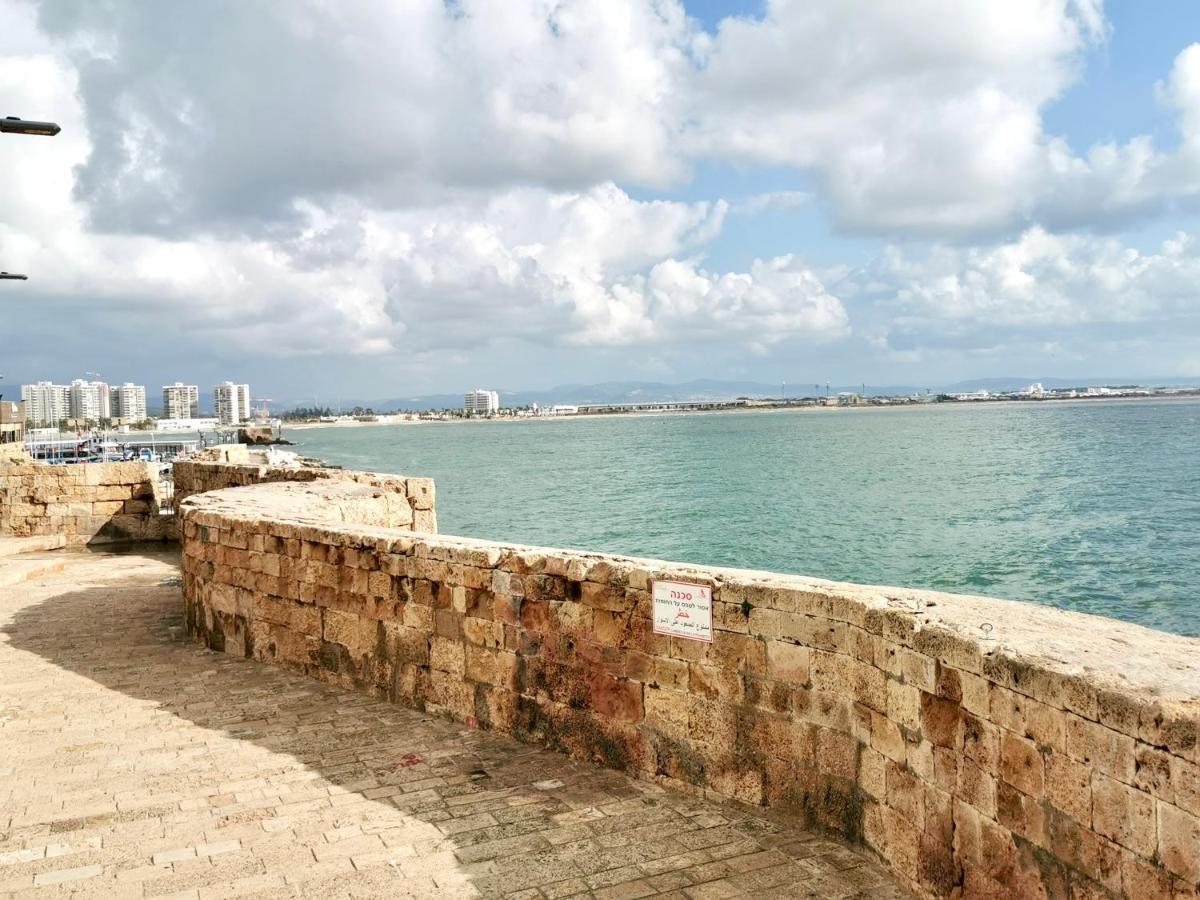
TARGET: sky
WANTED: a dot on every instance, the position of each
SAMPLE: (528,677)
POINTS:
(381,200)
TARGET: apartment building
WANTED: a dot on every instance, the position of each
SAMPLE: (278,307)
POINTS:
(89,401)
(181,401)
(129,403)
(231,402)
(46,404)
(481,402)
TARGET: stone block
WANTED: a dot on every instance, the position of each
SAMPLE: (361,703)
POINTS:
(1007,709)
(941,721)
(742,653)
(1174,726)
(919,757)
(424,521)
(713,722)
(1083,850)
(616,699)
(981,742)
(977,787)
(480,665)
(482,632)
(1142,880)
(672,674)
(299,617)
(667,711)
(730,617)
(1108,751)
(1124,815)
(904,704)
(1069,786)
(872,773)
(906,794)
(1152,772)
(713,682)
(446,655)
(275,643)
(1179,841)
(1021,765)
(109,492)
(450,693)
(1020,814)
(819,633)
(1045,725)
(837,753)
(602,596)
(357,634)
(1185,785)
(918,670)
(421,493)
(887,738)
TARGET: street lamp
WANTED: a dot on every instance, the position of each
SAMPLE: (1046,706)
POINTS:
(13,125)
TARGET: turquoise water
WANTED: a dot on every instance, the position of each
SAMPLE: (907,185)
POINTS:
(1093,506)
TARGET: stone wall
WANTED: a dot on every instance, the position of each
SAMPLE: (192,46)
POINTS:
(89,503)
(982,748)
(236,465)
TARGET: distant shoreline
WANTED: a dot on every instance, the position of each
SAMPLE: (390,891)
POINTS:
(389,421)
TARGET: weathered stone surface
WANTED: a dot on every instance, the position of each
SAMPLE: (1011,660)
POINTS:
(997,767)
(89,503)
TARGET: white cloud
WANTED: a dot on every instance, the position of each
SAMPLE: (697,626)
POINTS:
(569,268)
(1040,284)
(920,116)
(913,115)
(298,178)
(463,268)
(223,118)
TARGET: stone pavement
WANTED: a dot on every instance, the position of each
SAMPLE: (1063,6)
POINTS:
(134,764)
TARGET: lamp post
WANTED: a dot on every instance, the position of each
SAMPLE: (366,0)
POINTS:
(13,125)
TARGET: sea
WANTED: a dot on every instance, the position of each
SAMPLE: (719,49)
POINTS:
(1091,506)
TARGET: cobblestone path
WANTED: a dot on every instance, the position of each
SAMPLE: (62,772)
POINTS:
(134,764)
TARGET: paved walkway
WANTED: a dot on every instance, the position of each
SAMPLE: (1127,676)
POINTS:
(134,764)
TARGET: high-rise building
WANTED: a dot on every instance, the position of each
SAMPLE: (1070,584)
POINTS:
(129,403)
(481,402)
(89,401)
(46,404)
(231,402)
(181,401)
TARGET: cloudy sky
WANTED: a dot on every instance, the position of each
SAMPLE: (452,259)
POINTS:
(383,199)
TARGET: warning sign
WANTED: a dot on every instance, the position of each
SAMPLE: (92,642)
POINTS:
(682,609)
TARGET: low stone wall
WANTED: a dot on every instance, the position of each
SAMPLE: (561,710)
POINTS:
(89,503)
(982,748)
(236,465)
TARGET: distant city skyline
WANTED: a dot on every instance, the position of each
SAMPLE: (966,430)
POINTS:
(856,191)
(229,402)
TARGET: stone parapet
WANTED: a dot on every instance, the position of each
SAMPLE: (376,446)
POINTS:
(237,465)
(88,503)
(980,747)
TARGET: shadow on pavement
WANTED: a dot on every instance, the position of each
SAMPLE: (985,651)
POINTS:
(287,763)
